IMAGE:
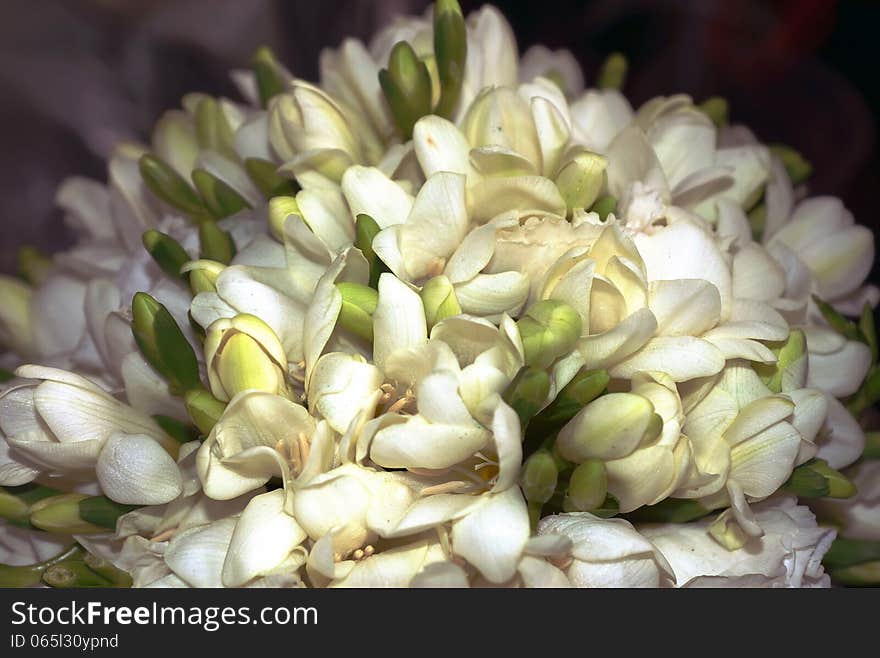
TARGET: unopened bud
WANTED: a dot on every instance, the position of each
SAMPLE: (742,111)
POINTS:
(264,174)
(791,357)
(798,168)
(280,208)
(717,109)
(216,244)
(358,305)
(527,393)
(365,229)
(169,186)
(61,514)
(439,300)
(204,409)
(15,315)
(203,275)
(604,206)
(816,479)
(550,329)
(220,199)
(406,84)
(450,53)
(166,251)
(212,128)
(73,574)
(268,74)
(612,75)
(587,486)
(582,179)
(538,477)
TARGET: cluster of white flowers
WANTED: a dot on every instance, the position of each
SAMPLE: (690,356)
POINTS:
(435,321)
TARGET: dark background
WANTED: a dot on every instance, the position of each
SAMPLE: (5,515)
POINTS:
(78,75)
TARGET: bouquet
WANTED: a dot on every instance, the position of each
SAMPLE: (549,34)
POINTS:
(447,318)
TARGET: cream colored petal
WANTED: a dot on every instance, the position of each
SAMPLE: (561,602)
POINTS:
(684,307)
(494,196)
(842,372)
(492,294)
(680,357)
(420,444)
(369,191)
(609,348)
(440,146)
(340,388)
(136,470)
(472,255)
(399,320)
(763,463)
(197,555)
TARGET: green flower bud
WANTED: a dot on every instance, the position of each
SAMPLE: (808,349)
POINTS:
(439,300)
(406,84)
(611,427)
(527,393)
(73,573)
(163,344)
(587,486)
(177,430)
(204,409)
(450,53)
(203,275)
(550,329)
(280,208)
(839,323)
(13,509)
(717,109)
(604,206)
(166,251)
(816,479)
(366,229)
(169,186)
(33,265)
(216,244)
(268,74)
(30,575)
(789,354)
(220,199)
(212,128)
(612,75)
(582,179)
(264,175)
(584,387)
(358,305)
(61,514)
(669,510)
(538,477)
(116,577)
(757,219)
(846,552)
(244,353)
(858,575)
(799,169)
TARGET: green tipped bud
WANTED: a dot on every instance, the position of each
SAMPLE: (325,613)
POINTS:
(669,510)
(859,575)
(582,179)
(61,515)
(169,186)
(216,244)
(757,217)
(816,479)
(203,275)
(244,353)
(527,393)
(358,305)
(406,84)
(33,265)
(727,532)
(166,251)
(102,512)
(609,508)
(550,329)
(163,344)
(538,477)
(177,430)
(717,109)
(212,128)
(848,552)
(366,229)
(220,199)
(839,323)
(584,387)
(268,74)
(587,486)
(790,358)
(204,409)
(20,576)
(264,175)
(604,206)
(612,75)
(280,208)
(450,53)
(73,573)
(868,330)
(439,300)
(116,577)
(13,509)
(610,427)
(799,168)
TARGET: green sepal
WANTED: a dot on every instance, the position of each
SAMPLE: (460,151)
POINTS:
(839,323)
(204,409)
(116,577)
(527,392)
(365,229)
(267,73)
(669,510)
(102,512)
(216,244)
(612,75)
(358,305)
(219,198)
(849,552)
(604,206)
(166,251)
(177,430)
(264,174)
(816,479)
(798,168)
(169,186)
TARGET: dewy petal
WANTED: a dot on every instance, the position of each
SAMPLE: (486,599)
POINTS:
(681,357)
(135,470)
(493,536)
(264,536)
(196,555)
(440,146)
(369,191)
(436,226)
(684,307)
(399,320)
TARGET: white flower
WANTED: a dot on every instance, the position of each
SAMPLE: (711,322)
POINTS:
(789,554)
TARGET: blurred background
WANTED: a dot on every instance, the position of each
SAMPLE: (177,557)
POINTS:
(79,75)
